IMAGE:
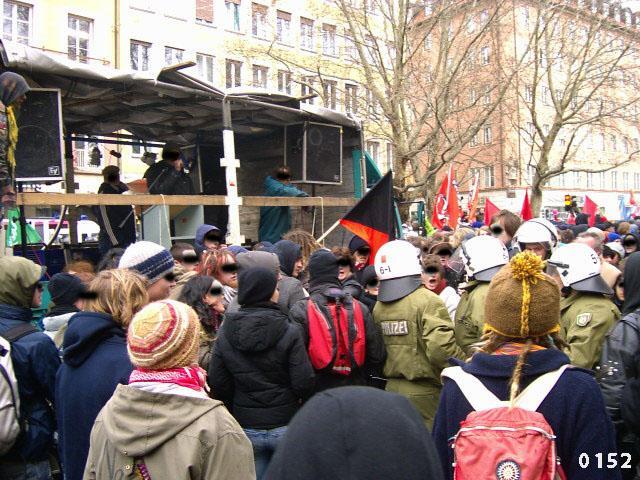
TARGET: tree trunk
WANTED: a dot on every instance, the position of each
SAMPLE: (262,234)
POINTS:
(536,197)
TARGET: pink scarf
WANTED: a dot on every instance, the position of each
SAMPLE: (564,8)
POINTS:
(192,377)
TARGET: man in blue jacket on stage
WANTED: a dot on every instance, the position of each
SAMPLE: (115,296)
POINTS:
(276,221)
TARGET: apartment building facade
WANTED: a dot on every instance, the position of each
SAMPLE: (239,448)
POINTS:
(297,48)
(598,140)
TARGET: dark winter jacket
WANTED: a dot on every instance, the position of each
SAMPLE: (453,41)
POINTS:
(375,353)
(290,288)
(356,433)
(260,368)
(621,348)
(369,300)
(352,287)
(574,409)
(95,361)
(35,362)
(162,178)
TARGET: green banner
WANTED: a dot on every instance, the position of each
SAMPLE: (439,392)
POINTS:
(14,234)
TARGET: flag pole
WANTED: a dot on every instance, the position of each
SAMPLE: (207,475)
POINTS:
(326,233)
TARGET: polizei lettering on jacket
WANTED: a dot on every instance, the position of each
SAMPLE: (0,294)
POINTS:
(395,328)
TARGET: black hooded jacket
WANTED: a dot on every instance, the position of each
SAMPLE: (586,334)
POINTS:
(621,349)
(356,433)
(260,368)
(375,353)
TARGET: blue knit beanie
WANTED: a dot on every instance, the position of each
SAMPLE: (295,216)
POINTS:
(147,258)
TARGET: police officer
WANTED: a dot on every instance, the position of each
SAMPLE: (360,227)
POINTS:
(587,313)
(482,257)
(415,326)
(537,235)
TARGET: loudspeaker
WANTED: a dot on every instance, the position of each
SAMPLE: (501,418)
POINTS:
(313,152)
(40,149)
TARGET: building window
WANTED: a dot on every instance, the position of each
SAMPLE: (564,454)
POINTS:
(373,148)
(473,142)
(139,53)
(329,39)
(16,25)
(283,27)
(284,81)
(486,131)
(528,93)
(306,89)
(471,25)
(484,17)
(233,73)
(329,88)
(260,76)
(259,20)
(589,179)
(614,180)
(306,33)
(473,97)
(205,66)
(136,151)
(172,56)
(524,15)
(636,181)
(78,38)
(625,145)
(487,96)
(603,143)
(232,19)
(601,180)
(485,54)
(372,103)
(545,95)
(204,11)
(389,157)
(488,178)
(614,143)
(351,98)
(625,180)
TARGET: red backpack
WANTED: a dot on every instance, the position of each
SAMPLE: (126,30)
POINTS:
(505,440)
(339,341)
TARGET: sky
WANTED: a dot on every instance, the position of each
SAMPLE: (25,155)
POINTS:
(632,4)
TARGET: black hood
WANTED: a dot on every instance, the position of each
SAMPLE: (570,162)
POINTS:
(631,283)
(87,330)
(288,252)
(256,328)
(356,433)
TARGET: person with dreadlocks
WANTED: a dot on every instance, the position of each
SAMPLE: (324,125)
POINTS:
(519,345)
(13,89)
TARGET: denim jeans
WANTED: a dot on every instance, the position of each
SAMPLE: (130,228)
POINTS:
(264,443)
(25,471)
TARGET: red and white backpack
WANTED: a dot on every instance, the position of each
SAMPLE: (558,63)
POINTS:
(505,440)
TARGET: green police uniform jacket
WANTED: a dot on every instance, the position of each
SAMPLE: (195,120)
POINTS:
(585,319)
(469,320)
(418,336)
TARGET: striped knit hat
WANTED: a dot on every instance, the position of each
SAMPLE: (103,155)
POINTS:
(147,258)
(164,335)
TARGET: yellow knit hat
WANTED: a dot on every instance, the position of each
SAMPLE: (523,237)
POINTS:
(164,335)
(523,301)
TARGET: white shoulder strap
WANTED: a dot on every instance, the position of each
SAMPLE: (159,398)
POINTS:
(535,393)
(474,391)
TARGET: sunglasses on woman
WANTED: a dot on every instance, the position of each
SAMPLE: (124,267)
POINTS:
(229,268)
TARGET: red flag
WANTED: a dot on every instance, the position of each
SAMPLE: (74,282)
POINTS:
(440,204)
(489,211)
(453,209)
(373,216)
(591,209)
(473,197)
(632,201)
(526,213)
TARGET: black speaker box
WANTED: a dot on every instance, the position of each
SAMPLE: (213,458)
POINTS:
(314,153)
(40,149)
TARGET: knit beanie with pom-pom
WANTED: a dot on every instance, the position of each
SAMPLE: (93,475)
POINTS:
(523,302)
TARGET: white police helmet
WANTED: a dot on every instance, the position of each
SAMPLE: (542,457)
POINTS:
(579,268)
(483,257)
(536,230)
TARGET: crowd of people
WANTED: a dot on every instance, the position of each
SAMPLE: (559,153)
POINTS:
(288,360)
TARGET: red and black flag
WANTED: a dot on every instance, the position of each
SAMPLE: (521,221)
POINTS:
(372,218)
